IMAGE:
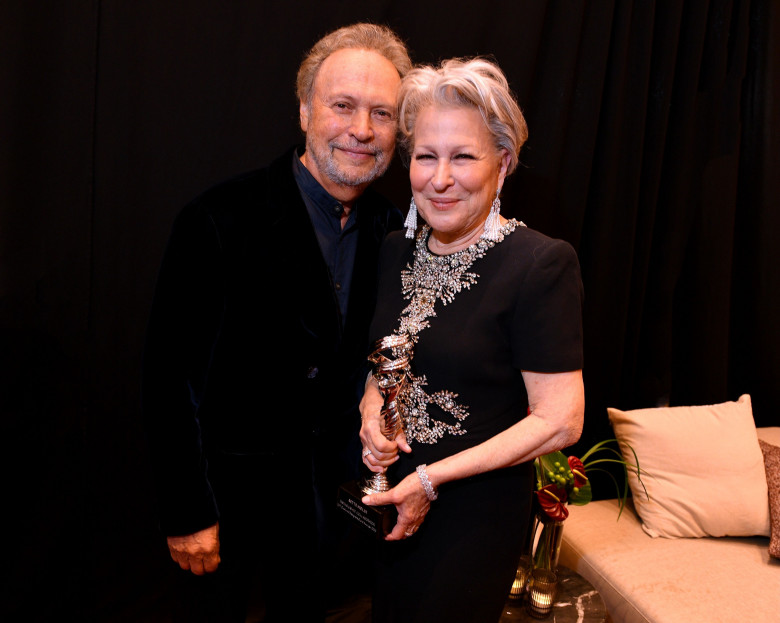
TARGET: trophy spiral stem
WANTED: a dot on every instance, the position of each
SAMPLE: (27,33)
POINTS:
(376,483)
(390,359)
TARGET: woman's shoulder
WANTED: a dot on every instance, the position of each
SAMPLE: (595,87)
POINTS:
(534,245)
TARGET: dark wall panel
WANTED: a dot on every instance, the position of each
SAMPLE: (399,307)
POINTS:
(47,80)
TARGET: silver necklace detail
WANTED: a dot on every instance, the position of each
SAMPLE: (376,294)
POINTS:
(433,278)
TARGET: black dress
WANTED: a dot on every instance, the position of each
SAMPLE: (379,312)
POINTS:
(517,307)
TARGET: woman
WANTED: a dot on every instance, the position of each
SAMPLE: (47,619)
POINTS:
(494,313)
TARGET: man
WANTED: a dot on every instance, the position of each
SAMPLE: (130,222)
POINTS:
(257,342)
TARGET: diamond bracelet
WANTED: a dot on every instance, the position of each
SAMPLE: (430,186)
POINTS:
(426,483)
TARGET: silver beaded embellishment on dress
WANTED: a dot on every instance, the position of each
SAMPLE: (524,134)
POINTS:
(431,278)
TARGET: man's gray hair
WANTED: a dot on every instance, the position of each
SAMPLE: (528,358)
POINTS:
(361,36)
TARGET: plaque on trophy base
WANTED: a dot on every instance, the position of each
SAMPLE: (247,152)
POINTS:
(378,521)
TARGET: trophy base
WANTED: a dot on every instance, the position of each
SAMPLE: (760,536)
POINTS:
(378,521)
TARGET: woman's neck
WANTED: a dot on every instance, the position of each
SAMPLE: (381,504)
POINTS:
(441,244)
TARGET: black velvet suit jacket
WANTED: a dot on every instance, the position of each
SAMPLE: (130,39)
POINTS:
(246,359)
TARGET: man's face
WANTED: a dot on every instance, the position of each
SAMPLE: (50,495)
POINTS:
(350,123)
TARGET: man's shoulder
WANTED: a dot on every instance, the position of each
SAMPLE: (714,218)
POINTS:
(374,198)
(232,187)
(238,193)
(381,209)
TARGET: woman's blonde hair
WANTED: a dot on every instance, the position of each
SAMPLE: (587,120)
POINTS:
(473,83)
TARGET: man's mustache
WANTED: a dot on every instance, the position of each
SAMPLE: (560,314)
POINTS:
(358,147)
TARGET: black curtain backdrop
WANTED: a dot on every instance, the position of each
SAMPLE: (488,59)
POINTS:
(653,149)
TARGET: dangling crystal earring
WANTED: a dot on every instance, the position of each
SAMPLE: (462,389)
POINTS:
(493,222)
(411,220)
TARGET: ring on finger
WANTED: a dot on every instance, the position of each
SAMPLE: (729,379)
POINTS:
(366,452)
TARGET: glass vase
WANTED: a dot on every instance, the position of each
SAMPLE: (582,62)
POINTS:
(548,545)
(526,563)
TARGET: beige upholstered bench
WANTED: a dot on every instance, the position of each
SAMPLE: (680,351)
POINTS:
(672,580)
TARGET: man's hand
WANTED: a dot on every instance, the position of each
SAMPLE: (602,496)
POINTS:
(198,552)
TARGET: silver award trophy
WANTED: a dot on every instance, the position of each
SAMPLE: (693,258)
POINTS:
(390,366)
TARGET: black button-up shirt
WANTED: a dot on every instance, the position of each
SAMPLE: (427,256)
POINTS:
(338,245)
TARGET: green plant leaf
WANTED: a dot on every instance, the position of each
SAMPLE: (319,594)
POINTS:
(546,463)
(581,497)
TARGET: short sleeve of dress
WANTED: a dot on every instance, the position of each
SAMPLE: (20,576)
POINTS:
(547,321)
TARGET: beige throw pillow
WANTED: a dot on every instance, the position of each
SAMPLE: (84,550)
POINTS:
(705,469)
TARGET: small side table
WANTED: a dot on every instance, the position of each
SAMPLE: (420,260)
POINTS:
(577,601)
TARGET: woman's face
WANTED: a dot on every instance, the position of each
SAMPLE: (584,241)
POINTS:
(455,171)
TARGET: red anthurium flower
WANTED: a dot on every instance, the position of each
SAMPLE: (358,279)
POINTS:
(578,469)
(552,499)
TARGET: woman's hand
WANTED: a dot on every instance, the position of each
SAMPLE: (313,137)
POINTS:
(378,451)
(411,502)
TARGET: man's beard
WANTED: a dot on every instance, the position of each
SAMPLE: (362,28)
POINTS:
(326,163)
